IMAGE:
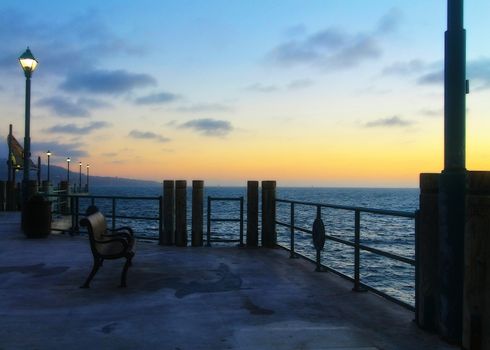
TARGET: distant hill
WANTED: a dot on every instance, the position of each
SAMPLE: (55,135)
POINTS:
(59,174)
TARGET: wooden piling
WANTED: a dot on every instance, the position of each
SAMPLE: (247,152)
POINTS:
(197,212)
(269,236)
(252,213)
(168,234)
(181,213)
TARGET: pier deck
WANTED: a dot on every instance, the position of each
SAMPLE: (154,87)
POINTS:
(186,299)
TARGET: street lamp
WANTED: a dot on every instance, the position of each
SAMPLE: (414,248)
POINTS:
(88,167)
(48,153)
(28,64)
(68,160)
(80,178)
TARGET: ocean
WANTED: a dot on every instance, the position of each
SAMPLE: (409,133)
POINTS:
(392,234)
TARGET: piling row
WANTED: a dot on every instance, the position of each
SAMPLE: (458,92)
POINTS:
(174,213)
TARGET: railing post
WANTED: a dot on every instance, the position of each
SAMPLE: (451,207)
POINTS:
(357,251)
(318,237)
(72,216)
(181,213)
(64,206)
(241,221)
(269,236)
(113,213)
(77,211)
(252,213)
(292,254)
(197,212)
(168,213)
(417,267)
(208,224)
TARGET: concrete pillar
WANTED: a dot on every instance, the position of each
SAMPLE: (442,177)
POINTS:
(476,295)
(269,236)
(181,213)
(3,195)
(427,293)
(252,213)
(197,212)
(168,237)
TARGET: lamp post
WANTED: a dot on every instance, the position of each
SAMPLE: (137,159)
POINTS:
(88,167)
(452,188)
(48,153)
(68,160)
(28,64)
(80,178)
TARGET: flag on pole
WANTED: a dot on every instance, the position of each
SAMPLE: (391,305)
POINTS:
(17,154)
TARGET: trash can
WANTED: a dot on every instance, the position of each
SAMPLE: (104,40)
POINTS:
(37,217)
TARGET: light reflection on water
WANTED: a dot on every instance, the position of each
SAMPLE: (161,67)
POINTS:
(393,234)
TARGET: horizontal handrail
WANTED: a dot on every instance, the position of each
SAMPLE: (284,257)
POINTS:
(406,214)
(356,243)
(210,219)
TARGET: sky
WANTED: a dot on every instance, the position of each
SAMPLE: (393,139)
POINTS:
(308,93)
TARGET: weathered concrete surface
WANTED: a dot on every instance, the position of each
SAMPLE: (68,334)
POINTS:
(186,299)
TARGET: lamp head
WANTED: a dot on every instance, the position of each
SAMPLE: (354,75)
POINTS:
(48,153)
(28,62)
(68,160)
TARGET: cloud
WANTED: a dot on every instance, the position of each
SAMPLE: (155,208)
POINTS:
(411,67)
(333,48)
(109,154)
(208,127)
(204,108)
(434,77)
(479,71)
(432,112)
(258,87)
(78,130)
(112,82)
(147,135)
(64,45)
(160,98)
(394,121)
(300,84)
(64,106)
(60,149)
(390,21)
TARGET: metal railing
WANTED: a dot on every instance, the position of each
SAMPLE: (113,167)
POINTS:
(210,220)
(75,213)
(356,244)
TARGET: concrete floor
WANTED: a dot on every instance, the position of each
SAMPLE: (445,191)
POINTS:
(186,299)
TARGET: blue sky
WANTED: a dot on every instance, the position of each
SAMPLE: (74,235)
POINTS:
(278,84)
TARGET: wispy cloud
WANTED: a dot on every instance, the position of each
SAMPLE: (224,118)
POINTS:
(148,135)
(155,99)
(410,67)
(333,48)
(300,84)
(112,82)
(205,108)
(432,112)
(60,149)
(78,130)
(208,127)
(74,40)
(389,122)
(435,77)
(258,87)
(65,106)
(479,71)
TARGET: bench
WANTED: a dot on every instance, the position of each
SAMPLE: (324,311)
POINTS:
(106,243)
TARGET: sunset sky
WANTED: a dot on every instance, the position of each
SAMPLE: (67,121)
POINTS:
(308,93)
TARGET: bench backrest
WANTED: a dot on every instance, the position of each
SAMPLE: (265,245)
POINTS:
(96,227)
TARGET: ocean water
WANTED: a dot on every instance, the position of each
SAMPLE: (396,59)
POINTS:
(388,233)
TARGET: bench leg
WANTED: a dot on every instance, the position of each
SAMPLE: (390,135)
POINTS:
(125,270)
(95,268)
